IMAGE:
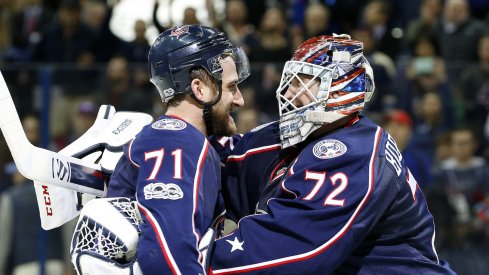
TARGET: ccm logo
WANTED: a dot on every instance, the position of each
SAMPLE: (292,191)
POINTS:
(47,200)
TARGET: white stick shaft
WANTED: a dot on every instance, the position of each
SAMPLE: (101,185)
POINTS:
(42,165)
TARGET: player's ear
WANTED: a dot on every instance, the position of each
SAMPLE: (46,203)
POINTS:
(198,89)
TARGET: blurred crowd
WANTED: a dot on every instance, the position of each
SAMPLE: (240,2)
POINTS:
(430,61)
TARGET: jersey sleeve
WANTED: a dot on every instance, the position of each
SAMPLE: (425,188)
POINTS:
(224,145)
(123,180)
(323,211)
(243,174)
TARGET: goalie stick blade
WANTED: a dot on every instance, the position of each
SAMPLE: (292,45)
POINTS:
(42,165)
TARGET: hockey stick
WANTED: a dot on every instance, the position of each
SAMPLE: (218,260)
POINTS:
(43,165)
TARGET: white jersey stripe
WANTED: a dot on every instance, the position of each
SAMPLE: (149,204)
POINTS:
(433,243)
(195,194)
(253,151)
(320,249)
(129,153)
(161,239)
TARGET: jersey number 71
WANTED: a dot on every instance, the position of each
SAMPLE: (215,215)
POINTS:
(159,155)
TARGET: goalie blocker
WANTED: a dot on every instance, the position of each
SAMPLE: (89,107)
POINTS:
(100,145)
(80,166)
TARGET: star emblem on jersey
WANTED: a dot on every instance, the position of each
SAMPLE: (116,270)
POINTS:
(329,148)
(236,244)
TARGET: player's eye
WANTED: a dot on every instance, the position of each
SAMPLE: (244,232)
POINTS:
(295,83)
(233,88)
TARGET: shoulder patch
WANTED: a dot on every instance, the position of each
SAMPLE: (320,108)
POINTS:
(169,124)
(329,148)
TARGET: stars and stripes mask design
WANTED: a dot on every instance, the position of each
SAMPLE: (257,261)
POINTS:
(327,78)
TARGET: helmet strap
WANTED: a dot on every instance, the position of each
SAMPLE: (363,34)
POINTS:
(207,112)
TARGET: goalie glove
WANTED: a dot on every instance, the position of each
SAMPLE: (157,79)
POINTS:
(106,237)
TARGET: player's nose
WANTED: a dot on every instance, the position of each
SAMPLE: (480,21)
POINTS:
(290,93)
(238,100)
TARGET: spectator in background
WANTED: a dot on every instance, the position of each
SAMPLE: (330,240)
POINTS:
(68,39)
(190,17)
(94,14)
(426,73)
(6,14)
(236,26)
(273,44)
(119,89)
(464,181)
(459,34)
(83,119)
(156,22)
(426,23)
(68,43)
(270,51)
(376,15)
(258,7)
(137,50)
(26,29)
(117,82)
(431,119)
(97,16)
(473,84)
(21,226)
(443,151)
(316,22)
(22,84)
(384,71)
(399,125)
(430,122)
(426,58)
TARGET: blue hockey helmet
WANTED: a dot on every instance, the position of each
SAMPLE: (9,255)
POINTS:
(180,49)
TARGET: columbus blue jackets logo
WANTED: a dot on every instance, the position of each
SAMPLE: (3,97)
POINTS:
(177,31)
(169,124)
(329,148)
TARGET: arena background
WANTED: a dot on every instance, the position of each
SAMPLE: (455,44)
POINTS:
(62,59)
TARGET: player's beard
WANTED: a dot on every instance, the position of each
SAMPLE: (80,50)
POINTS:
(222,122)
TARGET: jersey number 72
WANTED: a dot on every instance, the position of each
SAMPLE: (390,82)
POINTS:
(338,180)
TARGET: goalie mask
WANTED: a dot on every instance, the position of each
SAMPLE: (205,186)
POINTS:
(327,79)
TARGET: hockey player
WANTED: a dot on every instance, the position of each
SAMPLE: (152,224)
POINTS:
(170,168)
(324,190)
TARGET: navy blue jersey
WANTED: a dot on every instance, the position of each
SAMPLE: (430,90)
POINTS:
(343,203)
(174,174)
